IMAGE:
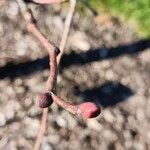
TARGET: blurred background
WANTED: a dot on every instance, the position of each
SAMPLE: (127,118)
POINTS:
(106,60)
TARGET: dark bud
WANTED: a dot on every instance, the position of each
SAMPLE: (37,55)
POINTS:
(45,100)
(57,51)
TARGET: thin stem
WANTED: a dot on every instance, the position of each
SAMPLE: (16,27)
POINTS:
(64,104)
(53,66)
(42,129)
(51,84)
(86,110)
(66,29)
(47,1)
(44,41)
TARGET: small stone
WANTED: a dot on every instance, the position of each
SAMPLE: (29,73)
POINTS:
(79,41)
(108,116)
(61,122)
(27,102)
(54,139)
(127,135)
(138,146)
(46,145)
(12,10)
(94,125)
(9,111)
(11,145)
(145,56)
(20,114)
(140,114)
(128,144)
(109,135)
(57,20)
(31,127)
(118,146)
(109,75)
(2,120)
(21,47)
(34,111)
(72,123)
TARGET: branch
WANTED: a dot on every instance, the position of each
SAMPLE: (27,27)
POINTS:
(51,84)
(62,46)
(44,41)
(53,66)
(66,29)
(47,1)
(86,110)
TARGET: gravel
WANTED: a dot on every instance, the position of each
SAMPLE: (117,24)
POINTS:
(106,63)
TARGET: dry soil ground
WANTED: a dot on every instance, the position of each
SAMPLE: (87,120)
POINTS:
(104,61)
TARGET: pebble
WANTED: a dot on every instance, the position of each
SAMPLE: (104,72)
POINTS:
(109,135)
(27,102)
(9,111)
(34,111)
(1,28)
(108,116)
(12,145)
(54,138)
(72,123)
(79,41)
(118,146)
(138,146)
(57,20)
(128,144)
(61,121)
(45,145)
(21,47)
(94,125)
(140,114)
(3,142)
(12,10)
(31,127)
(109,75)
(2,120)
(145,56)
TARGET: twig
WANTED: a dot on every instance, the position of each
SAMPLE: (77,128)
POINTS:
(66,29)
(53,66)
(47,1)
(62,46)
(86,110)
(51,85)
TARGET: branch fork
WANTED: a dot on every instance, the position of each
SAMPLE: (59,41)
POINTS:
(86,110)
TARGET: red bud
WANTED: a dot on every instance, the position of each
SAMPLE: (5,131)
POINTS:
(89,110)
(45,100)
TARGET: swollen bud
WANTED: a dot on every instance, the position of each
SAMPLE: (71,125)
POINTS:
(45,100)
(89,110)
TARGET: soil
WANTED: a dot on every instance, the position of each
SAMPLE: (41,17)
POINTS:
(105,61)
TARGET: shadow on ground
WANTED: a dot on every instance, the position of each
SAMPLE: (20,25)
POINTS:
(108,94)
(13,70)
(104,53)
